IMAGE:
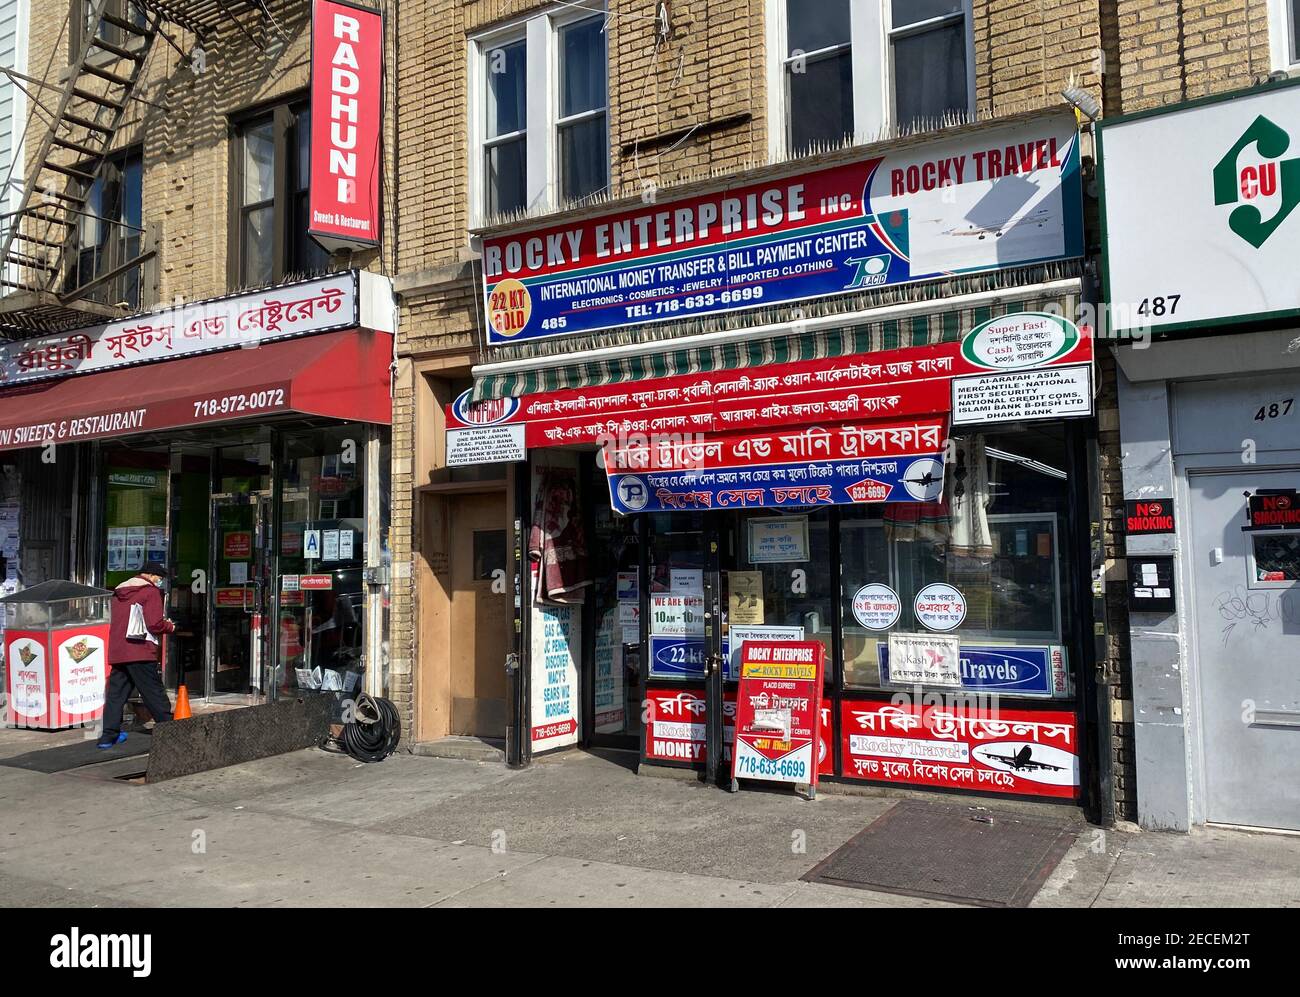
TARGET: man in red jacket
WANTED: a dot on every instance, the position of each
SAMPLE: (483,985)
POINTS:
(135,658)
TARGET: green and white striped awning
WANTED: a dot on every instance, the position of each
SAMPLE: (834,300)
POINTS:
(661,360)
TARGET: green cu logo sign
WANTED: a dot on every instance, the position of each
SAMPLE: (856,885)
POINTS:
(1256,180)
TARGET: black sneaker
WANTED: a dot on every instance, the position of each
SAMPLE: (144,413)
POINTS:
(107,742)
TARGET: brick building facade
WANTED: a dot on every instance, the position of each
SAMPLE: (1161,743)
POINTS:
(692,98)
(165,164)
(685,109)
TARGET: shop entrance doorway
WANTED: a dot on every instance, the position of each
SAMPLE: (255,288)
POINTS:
(239,607)
(481,621)
(718,579)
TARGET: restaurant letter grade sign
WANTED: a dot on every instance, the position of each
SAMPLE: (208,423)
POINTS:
(778,711)
(347,53)
(958,205)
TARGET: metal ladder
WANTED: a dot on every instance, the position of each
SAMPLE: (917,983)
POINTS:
(41,233)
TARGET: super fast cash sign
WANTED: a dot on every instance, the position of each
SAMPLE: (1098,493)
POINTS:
(778,711)
(925,211)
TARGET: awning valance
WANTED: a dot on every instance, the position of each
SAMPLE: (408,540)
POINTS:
(341,375)
(926,322)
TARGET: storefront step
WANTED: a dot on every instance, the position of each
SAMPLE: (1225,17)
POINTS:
(464,748)
(230,737)
(975,803)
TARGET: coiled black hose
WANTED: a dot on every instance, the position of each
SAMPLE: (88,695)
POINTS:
(374,730)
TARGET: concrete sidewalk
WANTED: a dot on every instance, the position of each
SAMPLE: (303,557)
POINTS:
(313,828)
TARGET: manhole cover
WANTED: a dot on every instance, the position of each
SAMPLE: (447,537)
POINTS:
(965,854)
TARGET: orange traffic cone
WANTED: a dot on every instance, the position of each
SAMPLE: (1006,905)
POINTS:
(182,708)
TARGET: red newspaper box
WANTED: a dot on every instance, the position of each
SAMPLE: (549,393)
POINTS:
(56,655)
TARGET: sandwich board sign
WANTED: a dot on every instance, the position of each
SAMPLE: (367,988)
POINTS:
(778,712)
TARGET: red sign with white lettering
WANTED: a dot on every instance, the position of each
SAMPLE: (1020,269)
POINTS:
(778,712)
(55,678)
(1148,516)
(347,56)
(1274,510)
(1025,752)
(675,725)
(913,381)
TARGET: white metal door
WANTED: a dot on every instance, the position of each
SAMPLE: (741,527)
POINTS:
(1246,615)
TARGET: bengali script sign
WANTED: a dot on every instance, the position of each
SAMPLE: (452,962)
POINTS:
(244,320)
(1026,752)
(907,382)
(836,465)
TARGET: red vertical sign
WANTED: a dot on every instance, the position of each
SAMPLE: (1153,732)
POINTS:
(347,100)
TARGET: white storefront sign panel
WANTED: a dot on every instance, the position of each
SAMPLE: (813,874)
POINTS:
(556,649)
(488,445)
(244,320)
(1021,396)
(1199,208)
(738,635)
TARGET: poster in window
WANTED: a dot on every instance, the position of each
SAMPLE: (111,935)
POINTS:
(556,648)
(777,540)
(674,615)
(744,598)
(940,606)
(608,661)
(924,659)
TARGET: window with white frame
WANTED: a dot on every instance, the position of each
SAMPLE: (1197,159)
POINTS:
(848,70)
(538,112)
(1284,33)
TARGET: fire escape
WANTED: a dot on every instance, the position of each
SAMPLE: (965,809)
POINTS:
(76,114)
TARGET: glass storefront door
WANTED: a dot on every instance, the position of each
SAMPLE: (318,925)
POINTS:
(239,604)
(321,584)
(265,530)
(613,673)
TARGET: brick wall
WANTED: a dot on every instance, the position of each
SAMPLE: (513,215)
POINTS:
(1172,50)
(1115,668)
(182,126)
(1025,53)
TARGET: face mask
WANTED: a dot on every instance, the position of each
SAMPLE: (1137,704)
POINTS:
(162,584)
